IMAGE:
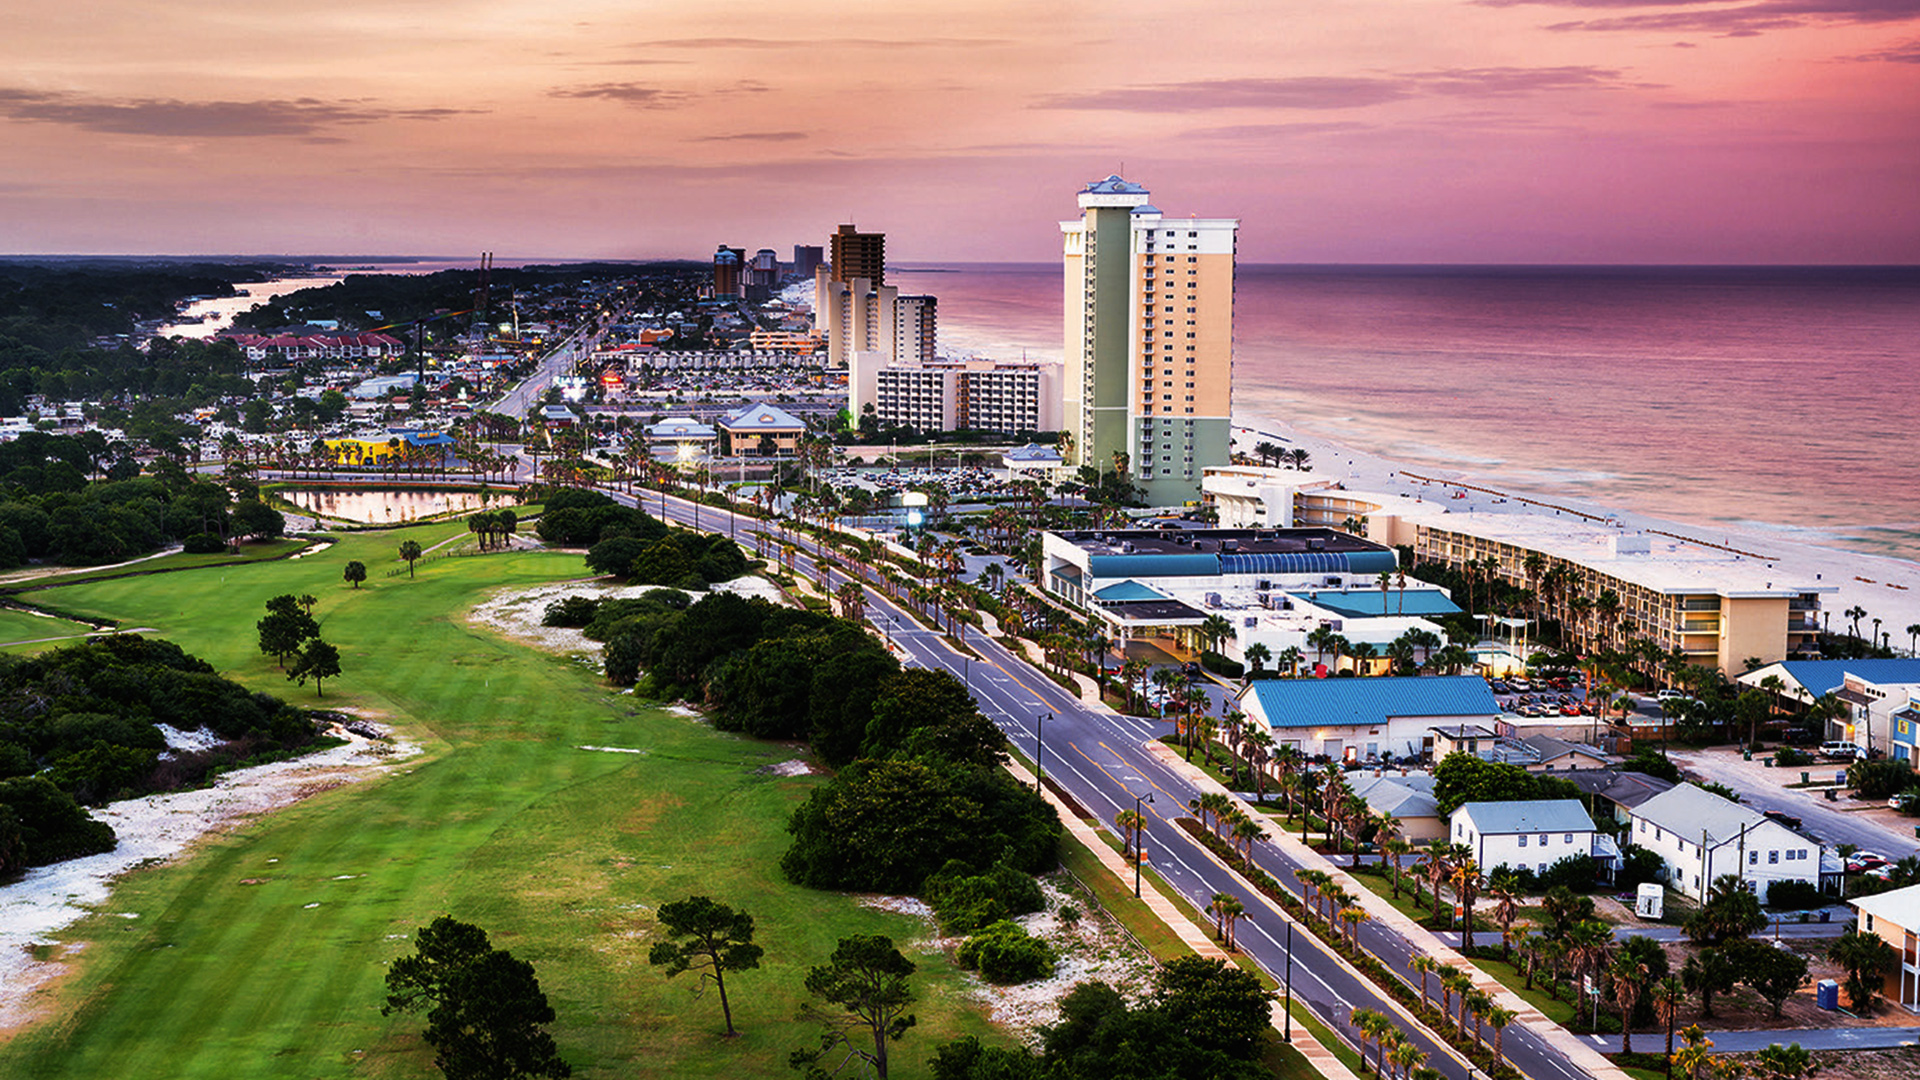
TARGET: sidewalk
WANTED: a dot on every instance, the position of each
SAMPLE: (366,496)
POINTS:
(1322,1059)
(1581,1053)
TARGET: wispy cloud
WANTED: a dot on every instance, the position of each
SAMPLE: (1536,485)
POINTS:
(755,136)
(1276,131)
(200,119)
(1736,20)
(626,93)
(1904,53)
(1338,92)
(813,44)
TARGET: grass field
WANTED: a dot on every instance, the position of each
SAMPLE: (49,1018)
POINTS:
(17,628)
(252,551)
(263,955)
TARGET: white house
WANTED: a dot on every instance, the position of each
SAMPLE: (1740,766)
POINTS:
(1376,719)
(1528,834)
(1701,837)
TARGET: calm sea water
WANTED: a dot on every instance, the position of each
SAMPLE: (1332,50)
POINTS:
(1771,400)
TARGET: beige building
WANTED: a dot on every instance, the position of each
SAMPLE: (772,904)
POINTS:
(1013,397)
(1149,339)
(1895,918)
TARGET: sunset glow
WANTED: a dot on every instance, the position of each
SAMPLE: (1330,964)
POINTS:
(1374,131)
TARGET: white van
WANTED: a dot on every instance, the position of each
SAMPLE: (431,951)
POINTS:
(1839,750)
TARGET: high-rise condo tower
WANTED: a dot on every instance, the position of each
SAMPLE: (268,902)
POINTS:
(1149,340)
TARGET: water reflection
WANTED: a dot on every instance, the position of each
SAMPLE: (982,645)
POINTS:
(375,507)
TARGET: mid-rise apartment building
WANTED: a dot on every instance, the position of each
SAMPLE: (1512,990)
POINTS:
(855,254)
(1149,339)
(1012,397)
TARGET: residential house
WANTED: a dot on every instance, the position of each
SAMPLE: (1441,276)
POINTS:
(1701,837)
(1530,834)
(1612,795)
(1895,918)
(1407,796)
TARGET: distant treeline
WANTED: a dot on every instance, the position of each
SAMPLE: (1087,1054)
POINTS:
(77,726)
(51,313)
(404,298)
(50,510)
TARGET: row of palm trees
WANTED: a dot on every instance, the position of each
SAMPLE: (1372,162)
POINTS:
(1474,1002)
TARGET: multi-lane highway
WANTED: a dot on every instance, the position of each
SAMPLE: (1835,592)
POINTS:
(1100,759)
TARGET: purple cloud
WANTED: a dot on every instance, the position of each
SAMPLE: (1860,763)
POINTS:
(626,93)
(1737,20)
(199,119)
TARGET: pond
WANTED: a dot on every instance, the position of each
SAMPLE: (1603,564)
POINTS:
(380,507)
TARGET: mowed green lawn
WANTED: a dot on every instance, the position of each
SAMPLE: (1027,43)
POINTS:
(17,628)
(263,955)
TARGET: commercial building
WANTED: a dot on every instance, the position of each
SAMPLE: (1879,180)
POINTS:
(1011,397)
(1149,339)
(1701,837)
(681,435)
(1382,719)
(729,264)
(1715,605)
(806,259)
(916,329)
(1278,588)
(760,430)
(856,255)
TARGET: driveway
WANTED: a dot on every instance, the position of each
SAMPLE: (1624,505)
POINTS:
(1872,828)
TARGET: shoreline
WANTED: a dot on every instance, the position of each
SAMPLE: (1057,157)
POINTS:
(1886,586)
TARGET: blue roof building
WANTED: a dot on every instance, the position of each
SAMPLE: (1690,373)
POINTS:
(1367,719)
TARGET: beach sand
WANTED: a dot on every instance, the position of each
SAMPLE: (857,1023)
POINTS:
(1888,589)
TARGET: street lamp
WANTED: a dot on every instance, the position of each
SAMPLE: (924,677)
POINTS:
(1287,1035)
(1040,749)
(1139,838)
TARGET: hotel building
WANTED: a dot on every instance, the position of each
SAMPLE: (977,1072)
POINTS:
(1149,339)
(1009,396)
(855,254)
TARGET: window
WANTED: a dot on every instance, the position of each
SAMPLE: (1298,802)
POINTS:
(1753,858)
(1543,839)
(1523,839)
(1569,838)
(1772,857)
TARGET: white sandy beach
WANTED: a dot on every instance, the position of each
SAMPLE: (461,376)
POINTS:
(1889,589)
(154,830)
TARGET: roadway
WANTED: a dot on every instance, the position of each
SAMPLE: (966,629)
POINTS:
(1100,760)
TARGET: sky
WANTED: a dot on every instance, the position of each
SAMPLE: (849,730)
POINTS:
(1357,131)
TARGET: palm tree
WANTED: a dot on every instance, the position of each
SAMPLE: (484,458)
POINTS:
(1364,1027)
(1693,1058)
(1130,823)
(1423,965)
(1498,1018)
(1452,981)
(1405,1057)
(1395,850)
(1353,917)
(1259,753)
(1435,865)
(1226,908)
(1629,979)
(1257,655)
(1855,613)
(1504,890)
(1477,1002)
(1913,635)
(1668,995)
(1377,1028)
(1289,659)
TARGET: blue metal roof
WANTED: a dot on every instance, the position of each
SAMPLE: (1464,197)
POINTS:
(1824,676)
(1129,590)
(1371,603)
(1295,703)
(1184,564)
(1307,562)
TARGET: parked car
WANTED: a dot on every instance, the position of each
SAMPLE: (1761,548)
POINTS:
(1863,861)
(1522,685)
(1845,750)
(1782,817)
(1500,687)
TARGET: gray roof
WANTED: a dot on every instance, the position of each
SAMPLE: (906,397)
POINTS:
(1687,810)
(1551,748)
(1628,789)
(762,415)
(1527,815)
(1463,731)
(1402,796)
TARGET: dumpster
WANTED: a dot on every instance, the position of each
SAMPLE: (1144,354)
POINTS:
(1746,755)
(1767,761)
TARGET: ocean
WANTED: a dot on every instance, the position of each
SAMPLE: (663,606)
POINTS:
(1773,401)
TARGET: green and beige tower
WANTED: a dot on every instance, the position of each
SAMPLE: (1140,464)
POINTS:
(1149,340)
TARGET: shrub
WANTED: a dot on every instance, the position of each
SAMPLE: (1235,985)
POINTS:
(1577,872)
(1222,666)
(1787,758)
(1793,895)
(1005,953)
(1874,780)
(570,611)
(966,903)
(204,544)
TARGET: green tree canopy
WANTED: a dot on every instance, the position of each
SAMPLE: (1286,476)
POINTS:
(317,660)
(708,936)
(1463,778)
(862,996)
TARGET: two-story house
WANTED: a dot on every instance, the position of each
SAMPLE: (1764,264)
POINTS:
(1529,834)
(1701,837)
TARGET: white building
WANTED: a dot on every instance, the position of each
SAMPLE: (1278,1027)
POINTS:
(1529,834)
(1701,837)
(1389,718)
(1008,396)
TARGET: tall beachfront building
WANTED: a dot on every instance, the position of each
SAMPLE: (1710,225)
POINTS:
(858,255)
(1149,339)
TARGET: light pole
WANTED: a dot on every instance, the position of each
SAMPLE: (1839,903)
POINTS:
(1139,840)
(1287,1035)
(1040,749)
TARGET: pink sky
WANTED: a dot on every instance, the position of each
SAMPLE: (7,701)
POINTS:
(1695,131)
